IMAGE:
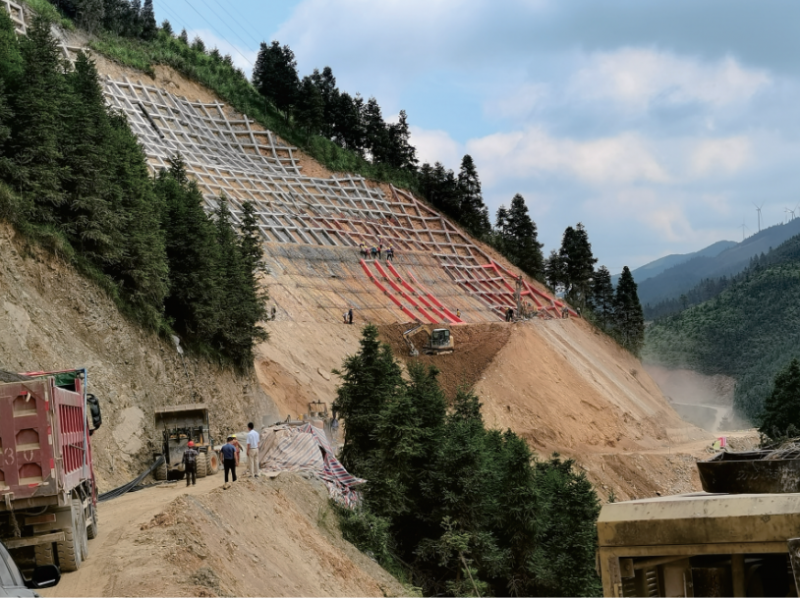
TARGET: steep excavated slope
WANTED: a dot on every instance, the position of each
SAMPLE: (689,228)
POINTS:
(52,318)
(562,385)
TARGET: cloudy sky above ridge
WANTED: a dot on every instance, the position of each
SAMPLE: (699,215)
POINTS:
(656,124)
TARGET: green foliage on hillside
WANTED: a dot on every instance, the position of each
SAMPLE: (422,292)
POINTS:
(463,510)
(750,331)
(781,415)
(74,177)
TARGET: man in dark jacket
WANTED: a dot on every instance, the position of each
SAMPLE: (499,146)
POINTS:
(190,463)
(229,459)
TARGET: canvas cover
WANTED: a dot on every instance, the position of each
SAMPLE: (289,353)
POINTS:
(305,448)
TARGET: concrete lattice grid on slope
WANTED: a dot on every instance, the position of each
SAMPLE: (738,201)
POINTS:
(312,226)
(17,15)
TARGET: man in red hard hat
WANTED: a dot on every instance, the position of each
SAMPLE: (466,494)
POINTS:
(190,463)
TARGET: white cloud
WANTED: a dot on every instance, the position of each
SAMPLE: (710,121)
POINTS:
(517,103)
(532,153)
(639,76)
(436,146)
(725,156)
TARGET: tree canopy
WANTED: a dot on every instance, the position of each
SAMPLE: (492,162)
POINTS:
(462,510)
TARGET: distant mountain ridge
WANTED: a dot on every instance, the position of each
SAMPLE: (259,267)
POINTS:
(750,331)
(656,267)
(677,279)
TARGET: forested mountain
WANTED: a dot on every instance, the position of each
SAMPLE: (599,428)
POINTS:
(656,267)
(750,331)
(679,279)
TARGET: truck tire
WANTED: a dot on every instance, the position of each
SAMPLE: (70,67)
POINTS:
(70,551)
(44,554)
(213,462)
(91,530)
(202,470)
(161,472)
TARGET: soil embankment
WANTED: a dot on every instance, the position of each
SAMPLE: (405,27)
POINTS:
(52,318)
(270,537)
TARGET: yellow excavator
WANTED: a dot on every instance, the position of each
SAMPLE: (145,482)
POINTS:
(440,341)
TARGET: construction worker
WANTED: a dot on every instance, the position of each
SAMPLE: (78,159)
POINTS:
(253,439)
(458,313)
(228,452)
(350,315)
(190,463)
(334,429)
(509,314)
(238,448)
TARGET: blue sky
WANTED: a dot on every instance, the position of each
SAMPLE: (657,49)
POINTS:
(656,124)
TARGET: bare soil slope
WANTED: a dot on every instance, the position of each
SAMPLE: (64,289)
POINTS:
(269,537)
(52,318)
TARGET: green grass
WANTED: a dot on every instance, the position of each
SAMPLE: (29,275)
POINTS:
(237,91)
(43,8)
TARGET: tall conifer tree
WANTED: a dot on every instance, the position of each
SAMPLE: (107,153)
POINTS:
(38,126)
(628,316)
(473,214)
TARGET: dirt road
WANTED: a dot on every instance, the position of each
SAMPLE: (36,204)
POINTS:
(269,537)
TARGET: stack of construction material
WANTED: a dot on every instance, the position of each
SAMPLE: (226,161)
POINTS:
(305,448)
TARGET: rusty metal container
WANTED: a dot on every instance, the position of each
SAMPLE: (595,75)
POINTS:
(752,472)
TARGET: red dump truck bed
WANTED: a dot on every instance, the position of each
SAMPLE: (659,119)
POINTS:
(44,443)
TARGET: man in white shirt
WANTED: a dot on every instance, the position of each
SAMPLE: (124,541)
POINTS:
(253,439)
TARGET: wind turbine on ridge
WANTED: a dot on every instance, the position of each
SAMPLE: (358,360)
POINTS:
(744,227)
(758,209)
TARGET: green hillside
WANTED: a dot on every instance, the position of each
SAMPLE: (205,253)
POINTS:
(750,331)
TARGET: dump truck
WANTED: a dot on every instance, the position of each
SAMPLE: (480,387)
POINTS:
(439,341)
(177,425)
(740,537)
(48,495)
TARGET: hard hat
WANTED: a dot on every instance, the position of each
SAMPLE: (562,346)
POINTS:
(191,444)
(233,435)
(230,437)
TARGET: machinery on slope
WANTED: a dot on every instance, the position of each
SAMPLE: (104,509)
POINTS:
(178,425)
(440,341)
(48,495)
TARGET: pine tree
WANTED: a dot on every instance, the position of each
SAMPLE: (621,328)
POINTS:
(39,122)
(198,45)
(628,316)
(602,298)
(522,244)
(376,135)
(275,76)
(473,214)
(555,272)
(325,83)
(11,63)
(400,153)
(148,20)
(184,37)
(576,253)
(192,253)
(781,415)
(370,379)
(90,14)
(92,222)
(563,562)
(501,221)
(167,28)
(142,273)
